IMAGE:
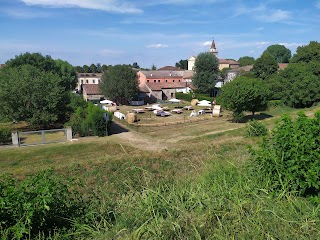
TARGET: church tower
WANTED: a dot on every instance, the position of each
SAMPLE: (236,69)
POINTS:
(213,49)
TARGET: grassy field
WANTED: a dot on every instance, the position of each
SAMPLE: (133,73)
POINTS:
(186,181)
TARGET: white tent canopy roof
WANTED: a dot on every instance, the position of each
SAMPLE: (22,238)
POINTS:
(106,101)
(174,100)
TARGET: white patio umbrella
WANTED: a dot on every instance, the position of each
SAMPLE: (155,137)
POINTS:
(204,101)
(106,101)
(204,104)
(174,100)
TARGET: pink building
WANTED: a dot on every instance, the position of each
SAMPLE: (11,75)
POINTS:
(162,84)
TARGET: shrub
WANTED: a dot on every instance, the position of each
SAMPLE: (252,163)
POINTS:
(37,205)
(275,104)
(290,158)
(5,135)
(255,129)
(189,96)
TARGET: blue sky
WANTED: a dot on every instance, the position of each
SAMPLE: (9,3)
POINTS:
(153,32)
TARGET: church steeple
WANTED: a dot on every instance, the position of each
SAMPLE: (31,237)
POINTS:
(213,49)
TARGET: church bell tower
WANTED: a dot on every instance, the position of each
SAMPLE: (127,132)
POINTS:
(213,49)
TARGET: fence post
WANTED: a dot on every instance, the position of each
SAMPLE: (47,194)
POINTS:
(69,133)
(15,139)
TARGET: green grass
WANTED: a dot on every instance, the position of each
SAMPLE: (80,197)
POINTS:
(199,187)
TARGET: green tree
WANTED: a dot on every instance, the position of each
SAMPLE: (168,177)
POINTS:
(78,69)
(153,67)
(47,64)
(244,94)
(104,68)
(93,68)
(119,83)
(265,66)
(297,85)
(33,95)
(206,72)
(183,64)
(98,67)
(280,53)
(308,53)
(86,69)
(246,60)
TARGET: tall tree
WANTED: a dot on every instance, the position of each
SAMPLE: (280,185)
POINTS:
(93,68)
(308,53)
(244,94)
(280,53)
(98,67)
(47,64)
(246,60)
(206,72)
(135,65)
(86,69)
(30,94)
(153,67)
(297,85)
(183,64)
(265,66)
(104,68)
(119,83)
(78,69)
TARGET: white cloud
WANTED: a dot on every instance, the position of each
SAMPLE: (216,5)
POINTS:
(25,14)
(264,13)
(119,6)
(291,45)
(259,28)
(275,16)
(159,45)
(183,2)
(207,43)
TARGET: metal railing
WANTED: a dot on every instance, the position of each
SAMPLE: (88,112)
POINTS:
(42,137)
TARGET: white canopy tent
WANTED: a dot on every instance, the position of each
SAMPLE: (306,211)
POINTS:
(106,101)
(174,100)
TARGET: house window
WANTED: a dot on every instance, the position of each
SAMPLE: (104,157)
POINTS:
(172,95)
(179,80)
(158,80)
(93,81)
(87,81)
(81,81)
(148,80)
(154,80)
(166,80)
(172,80)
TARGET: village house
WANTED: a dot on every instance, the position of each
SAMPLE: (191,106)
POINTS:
(87,78)
(91,92)
(163,84)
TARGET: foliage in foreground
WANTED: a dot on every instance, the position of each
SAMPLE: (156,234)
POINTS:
(255,129)
(290,158)
(38,204)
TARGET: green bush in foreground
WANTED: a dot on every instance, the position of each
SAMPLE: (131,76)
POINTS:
(255,129)
(290,158)
(40,204)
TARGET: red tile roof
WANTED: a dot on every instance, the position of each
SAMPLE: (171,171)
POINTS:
(91,89)
(225,61)
(282,65)
(169,85)
(89,75)
(170,68)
